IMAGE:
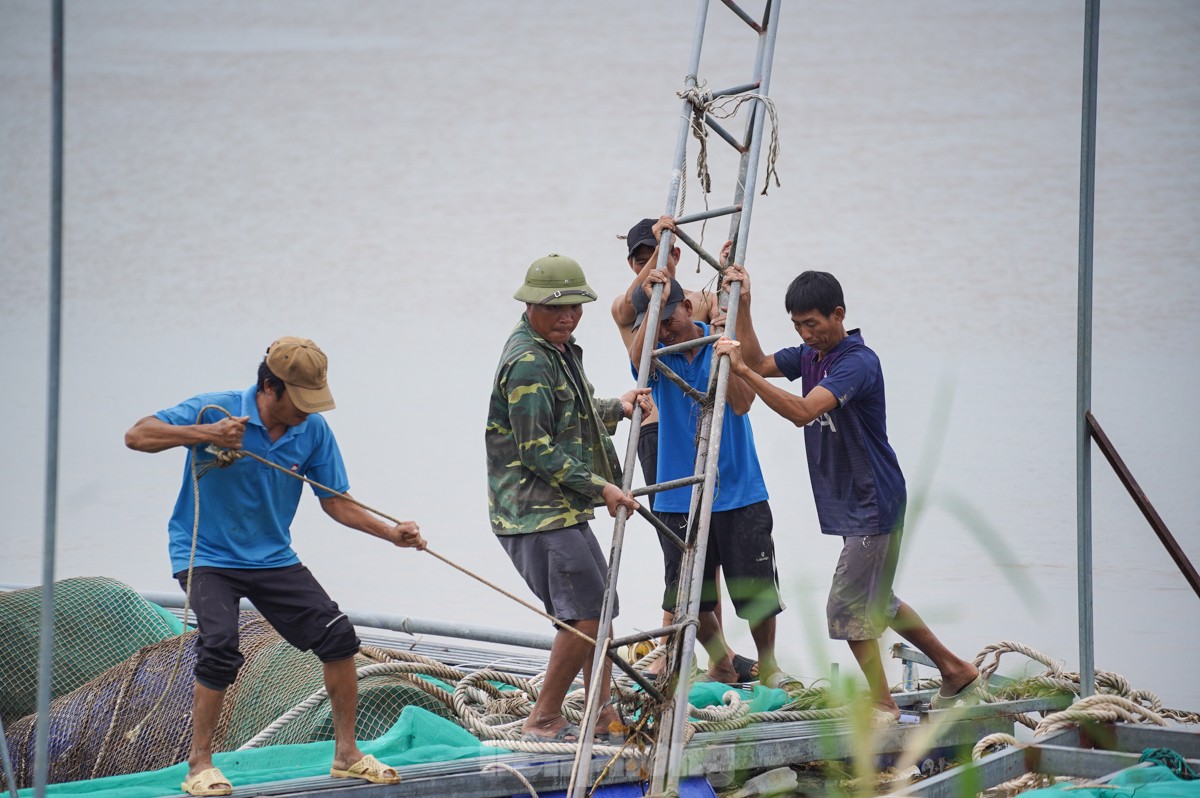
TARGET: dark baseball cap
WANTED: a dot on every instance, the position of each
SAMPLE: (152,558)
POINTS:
(641,303)
(641,234)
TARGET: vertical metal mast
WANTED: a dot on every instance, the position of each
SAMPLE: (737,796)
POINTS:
(670,728)
(1083,384)
(46,642)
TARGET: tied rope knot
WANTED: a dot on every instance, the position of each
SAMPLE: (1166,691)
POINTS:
(223,458)
(704,103)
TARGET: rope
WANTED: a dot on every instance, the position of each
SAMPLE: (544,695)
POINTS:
(133,733)
(704,103)
(226,457)
(495,766)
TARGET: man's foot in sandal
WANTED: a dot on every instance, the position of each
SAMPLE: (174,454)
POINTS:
(368,769)
(746,668)
(209,781)
(567,733)
(779,680)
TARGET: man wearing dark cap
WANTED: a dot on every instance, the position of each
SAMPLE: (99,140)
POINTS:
(241,547)
(739,532)
(550,461)
(642,245)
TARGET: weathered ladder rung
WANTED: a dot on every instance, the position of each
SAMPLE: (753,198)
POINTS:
(725,135)
(663,530)
(633,673)
(647,635)
(680,382)
(671,484)
(695,343)
(695,246)
(749,20)
(735,90)
(728,210)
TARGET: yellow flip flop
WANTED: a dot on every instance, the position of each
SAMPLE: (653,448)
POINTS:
(369,769)
(206,783)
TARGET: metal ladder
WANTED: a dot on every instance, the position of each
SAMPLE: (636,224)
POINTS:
(669,744)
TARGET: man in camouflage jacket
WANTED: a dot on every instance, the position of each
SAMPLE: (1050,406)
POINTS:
(550,462)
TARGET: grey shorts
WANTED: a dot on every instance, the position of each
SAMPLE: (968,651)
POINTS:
(565,568)
(861,602)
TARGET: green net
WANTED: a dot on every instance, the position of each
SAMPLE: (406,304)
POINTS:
(92,726)
(98,622)
(417,737)
(1156,781)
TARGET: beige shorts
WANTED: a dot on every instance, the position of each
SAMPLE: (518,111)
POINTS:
(861,602)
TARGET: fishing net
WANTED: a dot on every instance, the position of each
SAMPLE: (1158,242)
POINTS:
(91,729)
(98,622)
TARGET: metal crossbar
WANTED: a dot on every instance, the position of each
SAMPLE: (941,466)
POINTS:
(669,743)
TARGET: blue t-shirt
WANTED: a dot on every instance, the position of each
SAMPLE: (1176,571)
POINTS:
(856,479)
(739,478)
(246,509)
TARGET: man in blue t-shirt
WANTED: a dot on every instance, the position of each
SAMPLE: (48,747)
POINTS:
(739,533)
(856,480)
(238,544)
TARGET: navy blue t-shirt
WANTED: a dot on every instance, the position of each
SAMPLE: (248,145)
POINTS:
(857,483)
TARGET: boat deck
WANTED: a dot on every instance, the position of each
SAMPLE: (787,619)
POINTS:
(718,755)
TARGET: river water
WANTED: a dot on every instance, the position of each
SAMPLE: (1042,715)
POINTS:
(378,175)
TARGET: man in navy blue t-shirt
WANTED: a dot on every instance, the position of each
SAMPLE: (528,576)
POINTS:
(857,483)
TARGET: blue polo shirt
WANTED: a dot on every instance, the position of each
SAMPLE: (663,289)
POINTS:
(739,478)
(246,509)
(856,479)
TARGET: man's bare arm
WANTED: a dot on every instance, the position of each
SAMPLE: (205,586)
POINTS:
(800,410)
(152,434)
(406,534)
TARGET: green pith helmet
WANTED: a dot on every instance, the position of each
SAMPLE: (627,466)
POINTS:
(555,280)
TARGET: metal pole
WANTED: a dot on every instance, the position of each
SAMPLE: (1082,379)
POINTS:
(399,623)
(581,770)
(666,773)
(1083,385)
(46,642)
(749,168)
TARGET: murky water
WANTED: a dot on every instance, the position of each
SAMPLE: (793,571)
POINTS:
(377,176)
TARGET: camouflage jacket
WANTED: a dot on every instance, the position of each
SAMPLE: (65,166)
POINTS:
(549,454)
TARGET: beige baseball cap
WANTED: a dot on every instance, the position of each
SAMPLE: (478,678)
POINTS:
(301,365)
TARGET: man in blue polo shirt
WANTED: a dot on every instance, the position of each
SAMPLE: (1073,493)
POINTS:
(856,479)
(239,544)
(740,525)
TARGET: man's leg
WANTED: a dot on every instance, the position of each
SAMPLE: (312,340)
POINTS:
(764,640)
(867,654)
(712,637)
(206,708)
(341,682)
(568,654)
(298,608)
(214,596)
(956,673)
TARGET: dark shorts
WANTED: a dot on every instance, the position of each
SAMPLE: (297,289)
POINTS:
(648,455)
(740,544)
(291,600)
(861,603)
(565,568)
